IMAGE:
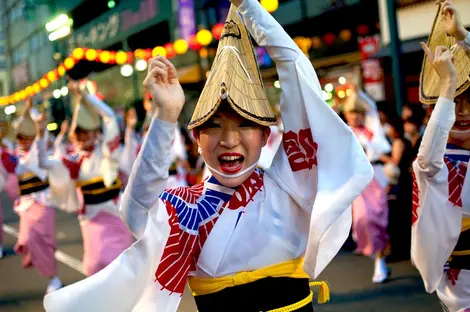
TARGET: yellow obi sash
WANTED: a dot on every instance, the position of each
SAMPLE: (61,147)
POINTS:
(293,269)
(460,258)
(95,192)
(30,183)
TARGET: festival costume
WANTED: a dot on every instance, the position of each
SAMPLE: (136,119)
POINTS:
(370,209)
(269,235)
(36,240)
(440,246)
(95,174)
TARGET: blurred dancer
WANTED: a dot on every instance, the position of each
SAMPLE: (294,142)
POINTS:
(93,166)
(370,209)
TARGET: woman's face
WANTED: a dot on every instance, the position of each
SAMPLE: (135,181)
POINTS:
(354,119)
(410,129)
(84,139)
(460,133)
(230,144)
(25,142)
(406,113)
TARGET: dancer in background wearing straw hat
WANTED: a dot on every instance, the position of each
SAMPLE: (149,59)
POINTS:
(370,209)
(245,239)
(93,168)
(441,190)
(36,240)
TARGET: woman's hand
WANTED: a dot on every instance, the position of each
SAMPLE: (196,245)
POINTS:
(443,63)
(41,124)
(451,21)
(131,118)
(163,84)
(64,127)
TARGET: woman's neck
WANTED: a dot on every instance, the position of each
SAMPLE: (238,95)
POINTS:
(462,144)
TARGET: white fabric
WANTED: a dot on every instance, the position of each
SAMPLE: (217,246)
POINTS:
(268,152)
(437,229)
(129,152)
(296,213)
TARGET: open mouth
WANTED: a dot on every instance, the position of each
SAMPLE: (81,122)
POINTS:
(462,125)
(231,162)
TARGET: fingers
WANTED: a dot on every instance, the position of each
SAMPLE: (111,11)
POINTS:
(156,75)
(439,51)
(428,51)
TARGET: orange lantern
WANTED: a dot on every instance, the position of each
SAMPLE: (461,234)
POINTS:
(91,55)
(158,51)
(204,37)
(203,53)
(345,35)
(140,53)
(29,90)
(43,83)
(105,56)
(181,46)
(217,30)
(170,50)
(316,42)
(23,94)
(192,43)
(61,70)
(329,38)
(36,88)
(362,30)
(69,63)
(78,53)
(270,5)
(52,75)
(121,57)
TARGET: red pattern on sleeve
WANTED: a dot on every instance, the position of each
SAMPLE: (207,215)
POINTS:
(114,143)
(73,166)
(8,162)
(301,149)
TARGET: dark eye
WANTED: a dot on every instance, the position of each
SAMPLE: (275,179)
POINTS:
(210,125)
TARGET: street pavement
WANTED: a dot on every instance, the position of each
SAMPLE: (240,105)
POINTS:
(349,276)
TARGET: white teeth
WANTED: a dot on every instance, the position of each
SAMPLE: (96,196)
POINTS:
(230,158)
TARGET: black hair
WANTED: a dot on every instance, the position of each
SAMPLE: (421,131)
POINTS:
(397,125)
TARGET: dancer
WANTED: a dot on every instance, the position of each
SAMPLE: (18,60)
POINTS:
(93,167)
(247,239)
(36,240)
(441,194)
(370,210)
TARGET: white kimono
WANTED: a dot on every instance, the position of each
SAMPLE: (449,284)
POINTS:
(295,209)
(441,201)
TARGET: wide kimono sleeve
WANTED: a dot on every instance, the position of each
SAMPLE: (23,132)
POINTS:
(436,223)
(148,219)
(320,163)
(111,142)
(129,152)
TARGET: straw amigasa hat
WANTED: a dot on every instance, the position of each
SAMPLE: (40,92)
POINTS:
(234,78)
(24,125)
(355,103)
(429,80)
(84,116)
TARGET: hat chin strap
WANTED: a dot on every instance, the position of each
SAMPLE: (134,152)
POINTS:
(235,175)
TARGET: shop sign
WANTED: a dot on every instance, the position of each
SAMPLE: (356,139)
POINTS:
(127,19)
(369,46)
(186,19)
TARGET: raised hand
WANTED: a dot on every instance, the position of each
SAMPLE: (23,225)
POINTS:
(131,118)
(64,127)
(74,88)
(163,84)
(443,63)
(41,123)
(451,20)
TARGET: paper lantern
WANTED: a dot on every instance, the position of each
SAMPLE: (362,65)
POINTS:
(192,43)
(329,38)
(362,30)
(316,42)
(69,63)
(203,53)
(140,53)
(90,55)
(345,35)
(170,50)
(148,54)
(78,53)
(130,57)
(121,57)
(52,75)
(105,56)
(61,70)
(217,30)
(158,51)
(270,5)
(43,83)
(36,88)
(180,46)
(204,37)
(23,94)
(29,90)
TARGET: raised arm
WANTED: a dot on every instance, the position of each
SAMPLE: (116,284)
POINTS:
(307,138)
(431,152)
(150,171)
(129,153)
